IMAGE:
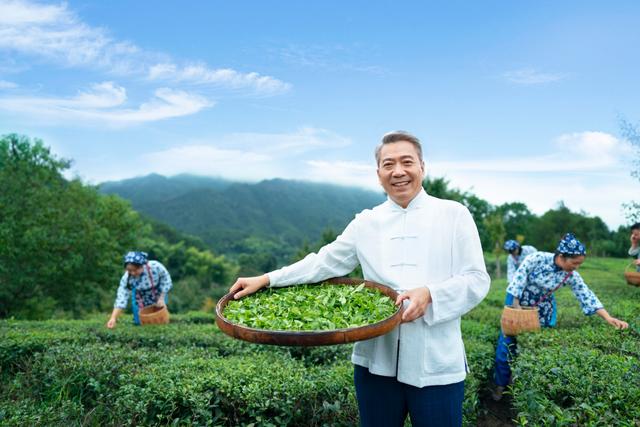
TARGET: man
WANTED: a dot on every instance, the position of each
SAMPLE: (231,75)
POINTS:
(634,250)
(517,254)
(429,250)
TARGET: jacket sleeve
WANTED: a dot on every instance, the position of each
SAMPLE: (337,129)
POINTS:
(519,281)
(511,268)
(164,279)
(589,302)
(336,259)
(469,283)
(123,294)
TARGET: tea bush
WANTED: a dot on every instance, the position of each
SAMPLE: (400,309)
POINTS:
(62,372)
(583,372)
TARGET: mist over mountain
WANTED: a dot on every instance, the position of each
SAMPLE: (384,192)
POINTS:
(230,217)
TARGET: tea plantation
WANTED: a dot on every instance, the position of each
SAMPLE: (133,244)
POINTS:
(63,372)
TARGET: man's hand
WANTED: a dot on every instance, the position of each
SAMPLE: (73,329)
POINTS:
(248,285)
(418,298)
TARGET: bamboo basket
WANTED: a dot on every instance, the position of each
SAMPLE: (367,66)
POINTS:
(152,315)
(515,321)
(632,277)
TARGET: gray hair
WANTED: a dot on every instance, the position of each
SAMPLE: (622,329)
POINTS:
(395,136)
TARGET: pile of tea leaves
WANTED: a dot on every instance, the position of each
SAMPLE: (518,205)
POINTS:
(311,308)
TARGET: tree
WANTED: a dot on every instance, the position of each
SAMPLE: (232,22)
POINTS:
(496,230)
(517,219)
(479,208)
(552,225)
(60,241)
(631,133)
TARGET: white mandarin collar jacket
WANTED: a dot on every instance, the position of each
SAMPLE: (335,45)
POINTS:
(432,243)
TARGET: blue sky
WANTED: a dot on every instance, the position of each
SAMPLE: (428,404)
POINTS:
(513,100)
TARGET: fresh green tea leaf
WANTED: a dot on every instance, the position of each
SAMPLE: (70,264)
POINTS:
(311,308)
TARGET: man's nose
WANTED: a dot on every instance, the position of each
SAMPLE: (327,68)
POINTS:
(398,169)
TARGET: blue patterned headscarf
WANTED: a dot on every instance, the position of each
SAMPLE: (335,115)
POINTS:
(569,245)
(135,258)
(511,245)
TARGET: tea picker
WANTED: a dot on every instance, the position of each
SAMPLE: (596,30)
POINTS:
(147,284)
(517,254)
(634,249)
(535,281)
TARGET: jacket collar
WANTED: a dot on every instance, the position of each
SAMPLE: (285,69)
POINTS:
(419,201)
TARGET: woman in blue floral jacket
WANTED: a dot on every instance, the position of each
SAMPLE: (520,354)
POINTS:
(539,275)
(517,254)
(145,282)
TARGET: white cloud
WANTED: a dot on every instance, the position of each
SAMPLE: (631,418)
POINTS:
(99,105)
(579,151)
(602,148)
(24,13)
(334,58)
(588,171)
(207,160)
(595,193)
(200,74)
(288,144)
(56,33)
(4,84)
(530,76)
(353,174)
(244,157)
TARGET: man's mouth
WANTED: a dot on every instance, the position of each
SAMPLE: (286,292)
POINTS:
(400,184)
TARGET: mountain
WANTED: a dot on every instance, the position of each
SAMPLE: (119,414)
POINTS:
(157,188)
(232,217)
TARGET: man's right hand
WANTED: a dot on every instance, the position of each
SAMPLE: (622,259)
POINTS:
(248,285)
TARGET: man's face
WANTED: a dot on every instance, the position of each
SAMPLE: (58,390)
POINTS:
(400,171)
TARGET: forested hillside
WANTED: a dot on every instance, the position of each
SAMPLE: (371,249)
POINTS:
(61,242)
(233,218)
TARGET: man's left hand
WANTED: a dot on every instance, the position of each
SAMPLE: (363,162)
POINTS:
(418,298)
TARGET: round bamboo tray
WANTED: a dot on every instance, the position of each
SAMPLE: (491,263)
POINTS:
(152,315)
(312,338)
(632,277)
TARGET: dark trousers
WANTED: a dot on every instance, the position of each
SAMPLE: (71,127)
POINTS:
(385,402)
(507,347)
(505,352)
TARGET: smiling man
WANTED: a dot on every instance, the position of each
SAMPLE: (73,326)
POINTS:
(428,250)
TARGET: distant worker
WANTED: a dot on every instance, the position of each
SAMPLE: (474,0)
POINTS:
(537,278)
(517,254)
(147,283)
(634,250)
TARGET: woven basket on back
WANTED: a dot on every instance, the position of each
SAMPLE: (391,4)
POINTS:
(515,321)
(632,277)
(152,315)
